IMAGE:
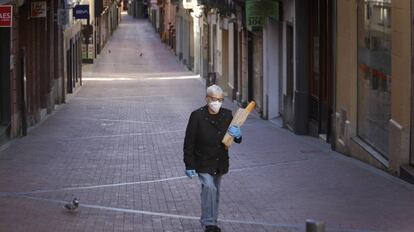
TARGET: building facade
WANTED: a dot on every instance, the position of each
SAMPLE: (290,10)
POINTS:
(373,106)
(41,62)
(9,52)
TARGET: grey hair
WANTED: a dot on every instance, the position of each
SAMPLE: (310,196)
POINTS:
(214,89)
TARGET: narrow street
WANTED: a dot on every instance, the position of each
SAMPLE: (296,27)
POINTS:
(117,146)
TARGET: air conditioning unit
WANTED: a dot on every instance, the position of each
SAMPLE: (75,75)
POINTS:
(189,4)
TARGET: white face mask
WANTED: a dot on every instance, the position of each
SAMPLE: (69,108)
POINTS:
(215,106)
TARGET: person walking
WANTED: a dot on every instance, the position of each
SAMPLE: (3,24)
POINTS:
(206,156)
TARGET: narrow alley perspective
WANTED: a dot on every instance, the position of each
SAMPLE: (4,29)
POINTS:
(107,155)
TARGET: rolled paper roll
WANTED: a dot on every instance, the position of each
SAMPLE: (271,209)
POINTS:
(239,118)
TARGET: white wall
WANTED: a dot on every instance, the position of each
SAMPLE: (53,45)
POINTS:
(219,50)
(178,38)
(271,68)
(157,20)
(197,44)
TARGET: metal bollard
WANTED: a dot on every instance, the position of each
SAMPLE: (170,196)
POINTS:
(314,226)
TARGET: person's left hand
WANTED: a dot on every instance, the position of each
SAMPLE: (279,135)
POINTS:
(235,131)
(191,173)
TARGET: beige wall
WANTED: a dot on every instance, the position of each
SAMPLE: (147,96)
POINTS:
(346,61)
(346,86)
(170,15)
(401,84)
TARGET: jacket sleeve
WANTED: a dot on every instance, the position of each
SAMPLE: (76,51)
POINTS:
(189,142)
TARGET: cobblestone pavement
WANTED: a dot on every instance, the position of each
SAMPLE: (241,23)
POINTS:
(117,146)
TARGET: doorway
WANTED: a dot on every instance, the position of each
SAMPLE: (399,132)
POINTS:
(5,107)
(288,116)
(320,69)
(69,69)
(250,71)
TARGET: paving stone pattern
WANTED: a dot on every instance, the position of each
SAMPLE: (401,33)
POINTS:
(117,146)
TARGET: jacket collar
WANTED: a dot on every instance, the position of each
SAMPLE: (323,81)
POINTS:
(205,115)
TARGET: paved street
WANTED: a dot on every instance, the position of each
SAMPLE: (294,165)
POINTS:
(117,146)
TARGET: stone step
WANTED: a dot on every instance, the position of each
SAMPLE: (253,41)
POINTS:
(407,173)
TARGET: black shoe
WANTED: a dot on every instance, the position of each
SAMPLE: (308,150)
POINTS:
(212,229)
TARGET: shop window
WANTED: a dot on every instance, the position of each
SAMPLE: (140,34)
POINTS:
(374,72)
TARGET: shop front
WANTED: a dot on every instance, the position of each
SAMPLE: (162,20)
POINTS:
(374,74)
(373,84)
(6,13)
(321,62)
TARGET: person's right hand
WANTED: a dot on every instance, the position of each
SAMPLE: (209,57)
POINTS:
(191,173)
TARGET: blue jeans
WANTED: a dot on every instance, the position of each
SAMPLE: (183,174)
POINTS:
(210,197)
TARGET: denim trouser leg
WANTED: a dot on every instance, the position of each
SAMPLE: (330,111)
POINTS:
(210,197)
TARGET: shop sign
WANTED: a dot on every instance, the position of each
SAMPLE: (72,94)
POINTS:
(6,16)
(189,4)
(81,12)
(257,11)
(39,10)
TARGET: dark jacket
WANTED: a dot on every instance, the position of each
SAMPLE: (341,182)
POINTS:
(203,149)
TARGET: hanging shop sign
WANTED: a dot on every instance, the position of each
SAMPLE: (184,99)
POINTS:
(38,10)
(81,12)
(6,16)
(257,11)
(189,4)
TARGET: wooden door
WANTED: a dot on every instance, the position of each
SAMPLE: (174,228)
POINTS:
(5,109)
(321,68)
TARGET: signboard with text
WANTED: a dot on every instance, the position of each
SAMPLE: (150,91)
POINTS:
(38,10)
(6,16)
(81,12)
(257,11)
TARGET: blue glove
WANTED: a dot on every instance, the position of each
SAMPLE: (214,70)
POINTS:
(191,173)
(235,131)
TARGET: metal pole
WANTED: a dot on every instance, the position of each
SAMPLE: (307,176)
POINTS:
(314,226)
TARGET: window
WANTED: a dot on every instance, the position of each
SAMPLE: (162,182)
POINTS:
(374,72)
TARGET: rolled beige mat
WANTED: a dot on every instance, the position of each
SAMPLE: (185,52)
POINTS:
(239,118)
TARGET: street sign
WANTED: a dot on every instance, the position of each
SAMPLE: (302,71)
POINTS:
(258,10)
(6,16)
(38,10)
(81,12)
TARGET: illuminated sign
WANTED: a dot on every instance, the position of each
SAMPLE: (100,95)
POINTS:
(81,12)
